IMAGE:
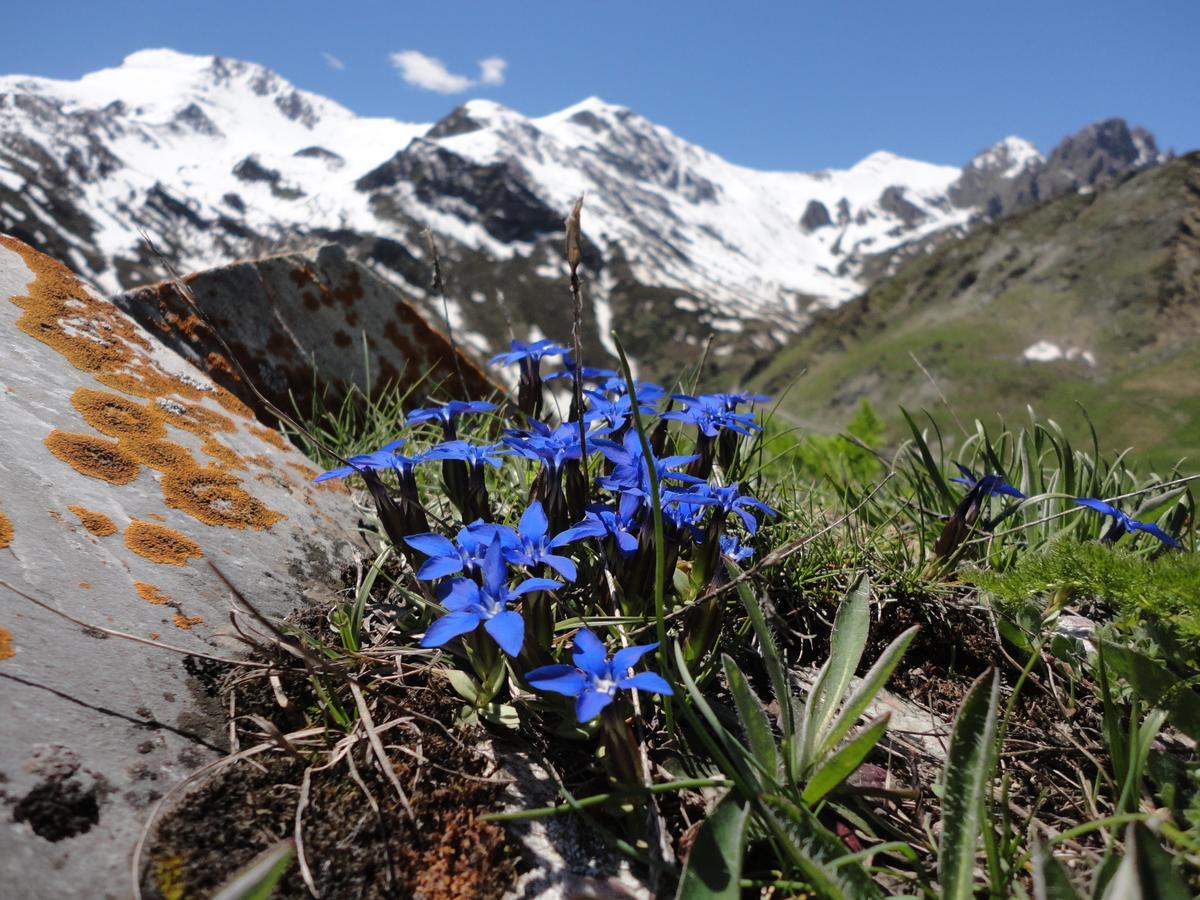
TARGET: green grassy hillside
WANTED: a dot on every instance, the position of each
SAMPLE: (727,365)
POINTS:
(1114,274)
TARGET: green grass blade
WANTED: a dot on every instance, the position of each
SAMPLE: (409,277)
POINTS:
(1050,879)
(257,879)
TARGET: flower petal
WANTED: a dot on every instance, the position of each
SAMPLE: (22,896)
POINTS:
(508,628)
(589,705)
(561,565)
(439,567)
(431,544)
(647,681)
(533,522)
(448,627)
(535,584)
(625,659)
(458,594)
(590,654)
(565,680)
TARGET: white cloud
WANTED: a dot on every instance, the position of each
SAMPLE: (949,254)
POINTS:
(491,70)
(332,61)
(431,74)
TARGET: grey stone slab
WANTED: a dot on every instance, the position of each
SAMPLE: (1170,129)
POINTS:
(94,728)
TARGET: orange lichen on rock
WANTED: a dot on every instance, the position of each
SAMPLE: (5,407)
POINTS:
(216,498)
(93,456)
(271,436)
(96,522)
(186,622)
(335,485)
(115,415)
(160,544)
(6,531)
(150,593)
(225,457)
(158,454)
(6,650)
(191,417)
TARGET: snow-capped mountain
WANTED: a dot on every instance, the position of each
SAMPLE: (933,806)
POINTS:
(215,158)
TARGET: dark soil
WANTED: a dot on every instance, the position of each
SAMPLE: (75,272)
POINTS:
(353,850)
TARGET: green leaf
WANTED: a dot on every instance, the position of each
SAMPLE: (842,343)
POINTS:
(776,671)
(1158,685)
(464,685)
(819,854)
(1050,879)
(868,689)
(755,726)
(1146,871)
(844,763)
(257,879)
(968,770)
(714,865)
(850,629)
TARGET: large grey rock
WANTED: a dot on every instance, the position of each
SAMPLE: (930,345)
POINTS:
(123,472)
(284,316)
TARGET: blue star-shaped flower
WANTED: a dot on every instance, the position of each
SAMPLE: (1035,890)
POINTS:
(534,352)
(630,472)
(709,413)
(446,414)
(988,484)
(594,680)
(464,554)
(732,549)
(470,604)
(623,523)
(1123,523)
(725,500)
(551,446)
(384,459)
(534,547)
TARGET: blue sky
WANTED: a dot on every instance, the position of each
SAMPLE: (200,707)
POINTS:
(799,85)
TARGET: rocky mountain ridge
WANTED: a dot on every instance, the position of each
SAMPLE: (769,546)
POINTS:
(216,159)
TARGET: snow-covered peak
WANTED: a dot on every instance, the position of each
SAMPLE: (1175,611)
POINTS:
(1007,158)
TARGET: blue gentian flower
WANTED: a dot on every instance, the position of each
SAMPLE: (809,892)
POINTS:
(615,412)
(731,401)
(475,455)
(446,414)
(647,391)
(587,373)
(623,523)
(732,549)
(535,352)
(725,500)
(464,554)
(1123,523)
(988,484)
(470,604)
(534,546)
(594,680)
(631,473)
(383,459)
(709,413)
(553,447)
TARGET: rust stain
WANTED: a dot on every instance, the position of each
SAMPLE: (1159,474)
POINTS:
(6,648)
(96,522)
(115,415)
(150,593)
(216,498)
(160,544)
(6,531)
(186,622)
(93,456)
